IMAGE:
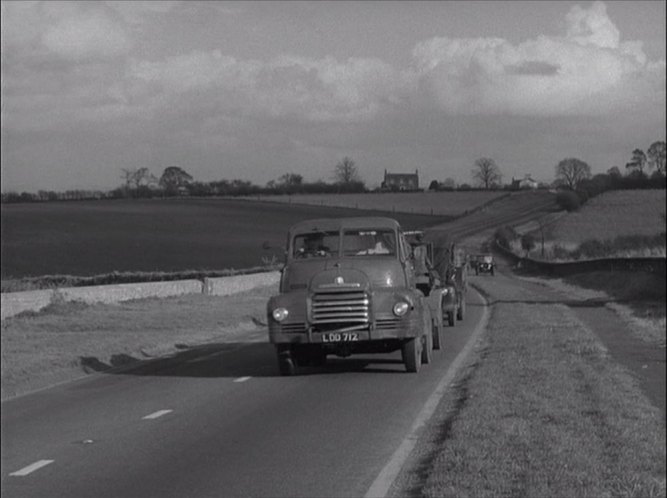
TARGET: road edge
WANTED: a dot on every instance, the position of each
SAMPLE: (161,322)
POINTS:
(384,480)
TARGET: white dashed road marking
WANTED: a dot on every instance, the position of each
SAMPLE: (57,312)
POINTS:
(31,468)
(156,414)
(242,379)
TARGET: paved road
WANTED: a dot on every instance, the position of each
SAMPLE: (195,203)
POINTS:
(219,421)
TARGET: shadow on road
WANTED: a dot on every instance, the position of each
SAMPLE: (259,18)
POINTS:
(238,359)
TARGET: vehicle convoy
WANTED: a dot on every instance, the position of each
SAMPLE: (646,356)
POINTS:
(441,274)
(349,286)
(484,264)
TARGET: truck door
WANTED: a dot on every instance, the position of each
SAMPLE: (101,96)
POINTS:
(406,260)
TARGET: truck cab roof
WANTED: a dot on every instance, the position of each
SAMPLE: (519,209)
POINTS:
(336,224)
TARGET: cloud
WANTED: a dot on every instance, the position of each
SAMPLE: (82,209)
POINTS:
(71,31)
(85,37)
(536,68)
(588,70)
(304,88)
(136,11)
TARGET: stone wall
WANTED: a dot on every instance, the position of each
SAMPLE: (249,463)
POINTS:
(13,303)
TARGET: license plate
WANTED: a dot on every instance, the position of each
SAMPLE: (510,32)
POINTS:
(340,337)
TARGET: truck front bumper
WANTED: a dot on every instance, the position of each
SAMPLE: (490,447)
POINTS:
(382,330)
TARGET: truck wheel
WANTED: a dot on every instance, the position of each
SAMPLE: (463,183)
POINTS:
(437,335)
(460,312)
(412,354)
(451,318)
(427,347)
(285,361)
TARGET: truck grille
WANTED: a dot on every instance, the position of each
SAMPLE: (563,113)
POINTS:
(387,324)
(340,306)
(293,328)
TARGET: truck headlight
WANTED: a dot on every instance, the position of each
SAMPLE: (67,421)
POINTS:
(279,314)
(401,308)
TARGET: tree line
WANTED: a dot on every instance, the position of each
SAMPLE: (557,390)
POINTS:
(176,181)
(572,176)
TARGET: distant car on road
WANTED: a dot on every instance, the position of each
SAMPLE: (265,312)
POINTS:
(484,264)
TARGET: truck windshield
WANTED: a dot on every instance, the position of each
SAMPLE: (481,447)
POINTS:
(369,242)
(315,245)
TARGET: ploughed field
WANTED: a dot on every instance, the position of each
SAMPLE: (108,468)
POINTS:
(436,203)
(96,237)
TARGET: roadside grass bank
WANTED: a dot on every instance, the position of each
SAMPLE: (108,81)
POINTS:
(540,410)
(66,340)
(639,298)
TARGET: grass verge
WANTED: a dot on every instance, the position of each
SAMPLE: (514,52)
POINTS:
(640,300)
(550,416)
(63,340)
(541,411)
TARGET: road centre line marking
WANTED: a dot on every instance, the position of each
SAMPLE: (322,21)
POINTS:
(31,468)
(389,473)
(157,414)
(242,379)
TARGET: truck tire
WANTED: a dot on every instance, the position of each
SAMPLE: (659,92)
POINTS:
(309,356)
(427,346)
(286,364)
(451,318)
(412,354)
(460,312)
(437,334)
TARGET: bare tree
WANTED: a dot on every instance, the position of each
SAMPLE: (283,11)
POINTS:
(638,161)
(346,171)
(129,177)
(571,171)
(135,178)
(144,177)
(486,173)
(656,156)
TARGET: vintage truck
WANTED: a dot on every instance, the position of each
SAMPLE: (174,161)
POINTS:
(441,274)
(349,286)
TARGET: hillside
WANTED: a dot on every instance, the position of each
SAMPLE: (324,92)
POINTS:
(612,214)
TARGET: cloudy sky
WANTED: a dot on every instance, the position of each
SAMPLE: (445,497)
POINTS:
(253,90)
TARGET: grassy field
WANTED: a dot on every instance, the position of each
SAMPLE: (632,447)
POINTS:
(97,237)
(614,213)
(436,203)
(623,223)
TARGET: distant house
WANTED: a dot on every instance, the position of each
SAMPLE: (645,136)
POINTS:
(526,183)
(400,181)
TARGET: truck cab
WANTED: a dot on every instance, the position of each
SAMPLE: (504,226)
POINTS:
(348,286)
